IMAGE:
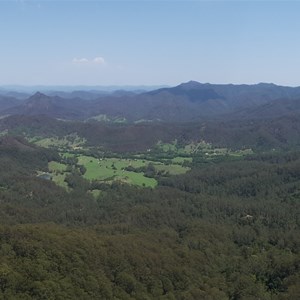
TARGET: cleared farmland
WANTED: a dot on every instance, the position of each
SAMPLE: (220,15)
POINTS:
(114,169)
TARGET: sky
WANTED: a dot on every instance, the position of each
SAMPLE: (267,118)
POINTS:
(149,42)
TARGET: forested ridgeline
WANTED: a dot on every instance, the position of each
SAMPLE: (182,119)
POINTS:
(260,134)
(226,230)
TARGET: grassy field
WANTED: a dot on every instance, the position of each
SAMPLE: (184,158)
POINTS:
(114,169)
(167,159)
(168,147)
(196,148)
(54,166)
(58,173)
(70,141)
(59,179)
(180,160)
(67,154)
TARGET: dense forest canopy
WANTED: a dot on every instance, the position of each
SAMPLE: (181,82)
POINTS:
(226,229)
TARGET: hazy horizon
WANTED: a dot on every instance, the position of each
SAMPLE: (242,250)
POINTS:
(105,88)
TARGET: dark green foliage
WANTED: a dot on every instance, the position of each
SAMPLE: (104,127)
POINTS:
(17,152)
(224,230)
(261,134)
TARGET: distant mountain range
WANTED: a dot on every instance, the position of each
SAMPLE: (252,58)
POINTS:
(191,101)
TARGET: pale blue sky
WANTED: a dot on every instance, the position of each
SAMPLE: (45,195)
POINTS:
(149,42)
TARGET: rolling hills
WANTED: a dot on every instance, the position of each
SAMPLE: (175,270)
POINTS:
(191,101)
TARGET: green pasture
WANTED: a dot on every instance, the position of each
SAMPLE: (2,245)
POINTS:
(58,173)
(54,166)
(114,169)
(67,154)
(197,148)
(59,179)
(168,147)
(70,141)
(180,160)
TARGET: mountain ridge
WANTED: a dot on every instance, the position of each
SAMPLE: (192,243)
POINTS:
(189,101)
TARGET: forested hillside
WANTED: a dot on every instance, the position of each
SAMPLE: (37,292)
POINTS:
(227,229)
(260,134)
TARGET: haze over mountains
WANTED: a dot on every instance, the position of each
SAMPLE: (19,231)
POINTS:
(191,101)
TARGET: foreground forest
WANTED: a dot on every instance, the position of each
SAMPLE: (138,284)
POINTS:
(226,229)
